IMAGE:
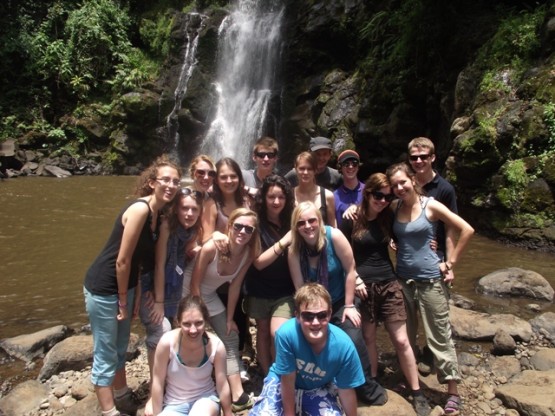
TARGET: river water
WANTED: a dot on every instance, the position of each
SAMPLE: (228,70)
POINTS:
(52,229)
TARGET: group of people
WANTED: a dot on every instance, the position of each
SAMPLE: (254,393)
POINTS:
(306,255)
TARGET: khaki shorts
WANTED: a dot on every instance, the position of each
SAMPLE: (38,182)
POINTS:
(385,302)
(260,308)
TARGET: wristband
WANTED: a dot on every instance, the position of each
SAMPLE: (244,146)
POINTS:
(349,306)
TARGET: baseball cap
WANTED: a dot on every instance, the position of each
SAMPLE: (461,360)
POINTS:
(346,155)
(317,143)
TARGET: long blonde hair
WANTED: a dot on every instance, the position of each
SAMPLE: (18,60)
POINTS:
(296,239)
(254,242)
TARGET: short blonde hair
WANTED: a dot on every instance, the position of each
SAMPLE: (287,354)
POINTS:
(311,293)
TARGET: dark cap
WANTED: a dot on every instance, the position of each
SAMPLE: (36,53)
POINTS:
(348,154)
(317,143)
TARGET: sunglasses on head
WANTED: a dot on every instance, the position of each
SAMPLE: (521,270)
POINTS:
(238,227)
(192,192)
(379,196)
(304,223)
(201,173)
(414,158)
(309,316)
(262,155)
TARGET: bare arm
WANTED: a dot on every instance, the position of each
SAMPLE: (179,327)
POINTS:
(133,221)
(209,215)
(345,254)
(348,400)
(288,393)
(207,253)
(159,370)
(330,208)
(222,386)
(157,313)
(295,269)
(233,295)
(273,252)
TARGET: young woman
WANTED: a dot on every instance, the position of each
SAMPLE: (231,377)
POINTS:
(212,269)
(203,173)
(322,254)
(308,190)
(269,286)
(381,293)
(423,275)
(111,280)
(183,366)
(162,292)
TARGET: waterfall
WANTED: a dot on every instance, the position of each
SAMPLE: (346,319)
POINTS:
(195,23)
(248,54)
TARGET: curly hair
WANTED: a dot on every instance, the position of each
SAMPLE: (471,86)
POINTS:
(149,174)
(261,207)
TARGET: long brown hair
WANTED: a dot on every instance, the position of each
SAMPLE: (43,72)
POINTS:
(173,221)
(374,183)
(407,170)
(150,174)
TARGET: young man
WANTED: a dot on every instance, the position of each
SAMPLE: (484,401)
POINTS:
(421,157)
(350,191)
(265,155)
(317,366)
(327,177)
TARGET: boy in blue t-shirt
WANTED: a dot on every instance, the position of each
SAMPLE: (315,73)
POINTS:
(317,366)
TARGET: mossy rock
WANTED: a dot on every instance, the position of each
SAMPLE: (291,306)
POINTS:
(538,198)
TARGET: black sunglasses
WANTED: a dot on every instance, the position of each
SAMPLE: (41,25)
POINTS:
(202,173)
(414,158)
(262,155)
(350,163)
(238,227)
(195,194)
(310,221)
(309,316)
(378,196)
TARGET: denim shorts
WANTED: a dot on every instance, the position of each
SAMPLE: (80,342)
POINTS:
(110,336)
(183,409)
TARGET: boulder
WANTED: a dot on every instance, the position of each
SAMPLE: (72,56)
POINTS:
(29,346)
(530,393)
(545,324)
(505,367)
(75,353)
(544,360)
(24,398)
(514,281)
(503,343)
(479,326)
(56,171)
(396,405)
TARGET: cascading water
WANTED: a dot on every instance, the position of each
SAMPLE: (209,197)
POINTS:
(194,26)
(249,49)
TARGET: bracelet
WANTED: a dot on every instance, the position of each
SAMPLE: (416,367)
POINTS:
(349,306)
(122,305)
(280,246)
(275,252)
(447,267)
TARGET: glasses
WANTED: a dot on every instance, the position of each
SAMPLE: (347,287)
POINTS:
(309,316)
(414,158)
(201,173)
(262,155)
(353,163)
(239,227)
(195,194)
(379,196)
(165,180)
(304,223)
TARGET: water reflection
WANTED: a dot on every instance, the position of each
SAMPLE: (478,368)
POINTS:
(53,228)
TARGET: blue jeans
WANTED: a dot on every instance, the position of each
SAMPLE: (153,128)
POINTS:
(321,401)
(110,336)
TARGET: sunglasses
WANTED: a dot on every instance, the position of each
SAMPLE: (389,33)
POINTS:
(239,227)
(201,173)
(167,181)
(353,163)
(195,194)
(262,155)
(414,158)
(309,316)
(304,223)
(379,196)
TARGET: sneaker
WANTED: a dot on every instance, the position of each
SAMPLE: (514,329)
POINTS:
(236,407)
(421,405)
(128,403)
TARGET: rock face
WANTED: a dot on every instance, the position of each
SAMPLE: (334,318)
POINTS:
(531,393)
(26,347)
(514,281)
(479,326)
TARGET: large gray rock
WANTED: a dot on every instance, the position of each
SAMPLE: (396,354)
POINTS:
(545,324)
(544,360)
(531,393)
(479,326)
(514,281)
(76,353)
(23,398)
(29,346)
(506,367)
(56,171)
